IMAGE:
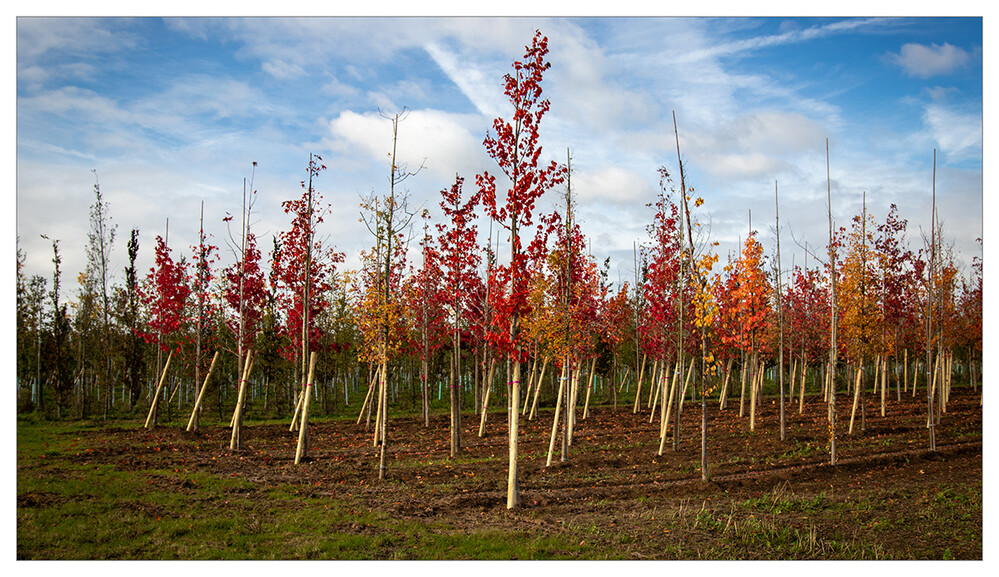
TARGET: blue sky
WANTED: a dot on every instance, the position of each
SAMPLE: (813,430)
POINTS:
(172,112)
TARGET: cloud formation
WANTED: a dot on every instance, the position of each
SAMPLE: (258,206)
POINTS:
(934,60)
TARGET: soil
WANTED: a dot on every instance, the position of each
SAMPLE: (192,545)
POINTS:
(614,489)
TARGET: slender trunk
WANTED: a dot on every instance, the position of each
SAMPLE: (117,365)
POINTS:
(780,322)
(383,421)
(513,485)
(833,314)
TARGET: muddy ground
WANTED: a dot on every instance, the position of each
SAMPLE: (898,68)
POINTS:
(614,489)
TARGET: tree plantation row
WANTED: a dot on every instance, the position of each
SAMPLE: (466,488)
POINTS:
(285,331)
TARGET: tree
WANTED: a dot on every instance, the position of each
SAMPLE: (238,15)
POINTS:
(516,151)
(165,295)
(861,316)
(386,219)
(660,324)
(424,295)
(303,273)
(127,316)
(100,244)
(56,353)
(459,259)
(204,258)
(30,296)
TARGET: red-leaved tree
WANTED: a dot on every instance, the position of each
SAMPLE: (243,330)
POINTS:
(459,261)
(516,150)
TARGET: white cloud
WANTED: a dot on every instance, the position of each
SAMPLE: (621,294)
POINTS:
(957,134)
(478,85)
(282,70)
(789,36)
(443,139)
(933,60)
(612,184)
(753,145)
(39,37)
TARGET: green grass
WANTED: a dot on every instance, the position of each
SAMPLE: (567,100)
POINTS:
(73,511)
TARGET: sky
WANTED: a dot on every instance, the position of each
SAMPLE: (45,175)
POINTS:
(170,113)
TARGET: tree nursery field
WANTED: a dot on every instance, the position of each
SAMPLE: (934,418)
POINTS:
(654,417)
(125,492)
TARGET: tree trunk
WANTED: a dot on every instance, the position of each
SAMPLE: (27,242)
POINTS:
(383,421)
(513,486)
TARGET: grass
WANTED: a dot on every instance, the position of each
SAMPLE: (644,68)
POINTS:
(75,511)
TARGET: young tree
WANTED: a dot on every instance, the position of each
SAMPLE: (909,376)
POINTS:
(753,295)
(57,355)
(127,316)
(305,271)
(203,307)
(666,295)
(460,261)
(100,244)
(861,315)
(387,219)
(425,295)
(165,295)
(517,153)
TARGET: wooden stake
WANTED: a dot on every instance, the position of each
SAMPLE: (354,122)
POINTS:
(724,392)
(742,394)
(558,411)
(236,442)
(686,384)
(884,388)
(303,432)
(801,389)
(367,398)
(192,424)
(656,379)
(672,385)
(537,389)
(589,388)
(150,419)
(485,402)
(638,388)
(856,398)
